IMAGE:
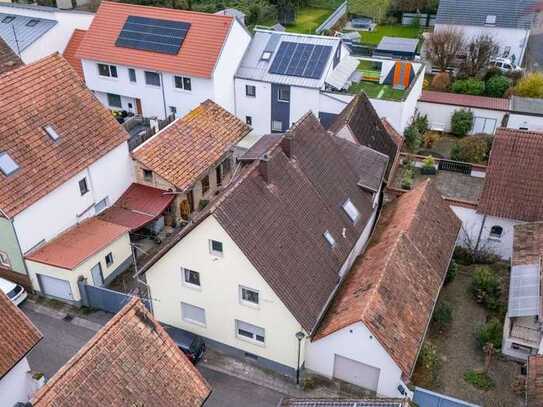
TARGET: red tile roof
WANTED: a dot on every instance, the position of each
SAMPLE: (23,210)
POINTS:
(8,59)
(527,243)
(49,92)
(457,99)
(17,335)
(72,247)
(198,54)
(71,49)
(186,149)
(514,177)
(392,288)
(131,361)
(139,205)
(534,381)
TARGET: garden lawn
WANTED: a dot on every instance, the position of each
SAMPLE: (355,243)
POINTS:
(377,91)
(308,19)
(397,30)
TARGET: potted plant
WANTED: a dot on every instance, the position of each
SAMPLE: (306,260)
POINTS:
(428,166)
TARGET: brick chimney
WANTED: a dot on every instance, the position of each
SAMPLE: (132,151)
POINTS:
(264,168)
(287,145)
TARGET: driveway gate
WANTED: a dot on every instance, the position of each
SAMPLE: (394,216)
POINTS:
(105,299)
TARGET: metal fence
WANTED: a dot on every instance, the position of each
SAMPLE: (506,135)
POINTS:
(333,18)
(105,299)
(455,166)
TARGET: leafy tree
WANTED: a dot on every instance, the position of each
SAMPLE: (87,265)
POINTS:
(486,288)
(443,45)
(480,51)
(497,85)
(472,149)
(491,332)
(461,122)
(530,86)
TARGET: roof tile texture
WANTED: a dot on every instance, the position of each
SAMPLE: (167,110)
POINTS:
(8,59)
(17,335)
(393,286)
(71,49)
(514,177)
(198,54)
(457,99)
(131,361)
(49,92)
(527,243)
(182,152)
(534,381)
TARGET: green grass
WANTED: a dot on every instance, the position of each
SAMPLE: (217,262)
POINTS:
(369,70)
(480,380)
(377,91)
(308,19)
(374,37)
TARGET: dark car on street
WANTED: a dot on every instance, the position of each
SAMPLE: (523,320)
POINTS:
(192,345)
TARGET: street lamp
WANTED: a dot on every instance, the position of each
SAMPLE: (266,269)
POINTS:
(299,335)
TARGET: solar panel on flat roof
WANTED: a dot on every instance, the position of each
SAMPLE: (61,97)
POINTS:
(303,60)
(152,34)
(7,165)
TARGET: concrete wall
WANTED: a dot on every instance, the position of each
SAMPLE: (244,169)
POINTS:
(120,249)
(64,207)
(17,385)
(219,295)
(355,342)
(10,246)
(520,121)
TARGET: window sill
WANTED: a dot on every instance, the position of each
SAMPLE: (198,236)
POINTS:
(495,238)
(251,341)
(192,286)
(109,78)
(216,255)
(190,321)
(249,304)
(182,90)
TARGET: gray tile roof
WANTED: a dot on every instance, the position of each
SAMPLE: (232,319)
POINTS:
(254,67)
(529,106)
(398,44)
(509,13)
(18,35)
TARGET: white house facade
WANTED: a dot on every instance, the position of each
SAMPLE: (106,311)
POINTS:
(17,386)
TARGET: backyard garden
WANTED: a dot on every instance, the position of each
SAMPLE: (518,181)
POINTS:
(461,355)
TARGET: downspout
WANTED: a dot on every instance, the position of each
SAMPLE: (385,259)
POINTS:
(163,95)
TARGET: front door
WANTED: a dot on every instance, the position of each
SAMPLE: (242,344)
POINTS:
(138,106)
(97,276)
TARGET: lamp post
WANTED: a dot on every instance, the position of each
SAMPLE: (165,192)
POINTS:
(299,335)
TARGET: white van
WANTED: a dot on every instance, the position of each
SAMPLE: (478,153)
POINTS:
(15,292)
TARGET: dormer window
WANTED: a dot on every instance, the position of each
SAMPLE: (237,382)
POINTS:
(351,211)
(7,164)
(266,55)
(51,132)
(329,238)
(490,20)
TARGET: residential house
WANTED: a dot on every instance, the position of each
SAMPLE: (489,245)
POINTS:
(18,336)
(512,192)
(522,328)
(534,381)
(508,22)
(130,361)
(343,402)
(526,114)
(155,78)
(192,158)
(373,331)
(58,152)
(34,32)
(252,274)
(8,59)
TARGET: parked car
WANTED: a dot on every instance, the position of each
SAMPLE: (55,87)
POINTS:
(15,292)
(505,65)
(192,345)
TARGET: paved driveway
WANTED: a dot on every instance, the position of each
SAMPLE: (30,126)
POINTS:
(62,339)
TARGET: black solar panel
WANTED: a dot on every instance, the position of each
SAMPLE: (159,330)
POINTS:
(303,60)
(152,34)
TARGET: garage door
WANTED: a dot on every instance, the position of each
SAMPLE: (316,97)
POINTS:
(55,287)
(352,371)
(484,125)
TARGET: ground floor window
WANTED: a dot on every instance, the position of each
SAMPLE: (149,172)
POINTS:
(114,100)
(193,314)
(245,330)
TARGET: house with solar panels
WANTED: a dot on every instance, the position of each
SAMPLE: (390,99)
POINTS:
(156,61)
(34,32)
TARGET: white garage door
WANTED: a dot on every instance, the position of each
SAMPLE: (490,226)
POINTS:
(55,287)
(484,125)
(357,373)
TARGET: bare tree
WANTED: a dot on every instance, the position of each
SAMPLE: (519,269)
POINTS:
(479,52)
(443,45)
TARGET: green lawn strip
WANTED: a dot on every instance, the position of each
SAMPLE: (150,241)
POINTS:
(308,19)
(374,37)
(375,90)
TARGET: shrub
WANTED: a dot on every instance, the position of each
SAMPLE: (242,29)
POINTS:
(441,82)
(472,149)
(530,86)
(443,316)
(407,178)
(429,162)
(497,85)
(421,123)
(486,287)
(481,380)
(461,122)
(490,332)
(463,256)
(412,137)
(429,358)
(470,86)
(452,271)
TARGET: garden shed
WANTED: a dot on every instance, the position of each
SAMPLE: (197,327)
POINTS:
(397,48)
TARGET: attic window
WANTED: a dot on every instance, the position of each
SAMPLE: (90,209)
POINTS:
(32,23)
(351,211)
(329,238)
(490,20)
(8,19)
(266,55)
(7,165)
(51,132)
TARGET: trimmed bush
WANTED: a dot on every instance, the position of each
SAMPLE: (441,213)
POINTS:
(486,288)
(461,122)
(491,332)
(443,316)
(412,137)
(441,82)
(452,271)
(497,85)
(480,380)
(472,149)
(470,86)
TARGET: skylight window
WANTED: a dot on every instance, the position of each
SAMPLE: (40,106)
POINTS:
(266,55)
(51,132)
(8,19)
(329,238)
(32,23)
(490,19)
(351,211)
(7,165)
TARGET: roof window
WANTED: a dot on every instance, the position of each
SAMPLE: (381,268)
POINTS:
(51,132)
(351,211)
(32,23)
(7,165)
(266,55)
(329,238)
(490,20)
(8,19)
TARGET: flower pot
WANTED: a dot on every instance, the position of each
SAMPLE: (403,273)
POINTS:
(428,170)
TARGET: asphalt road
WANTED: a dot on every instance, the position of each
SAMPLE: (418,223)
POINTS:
(63,339)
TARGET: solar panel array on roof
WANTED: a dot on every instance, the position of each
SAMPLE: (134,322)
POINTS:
(524,291)
(303,60)
(152,34)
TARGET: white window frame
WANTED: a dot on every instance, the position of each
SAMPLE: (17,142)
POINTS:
(247,93)
(352,211)
(190,320)
(4,259)
(247,302)
(87,189)
(109,75)
(279,98)
(215,252)
(103,202)
(495,236)
(135,75)
(152,84)
(329,238)
(252,339)
(490,19)
(188,283)
(184,80)
(109,264)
